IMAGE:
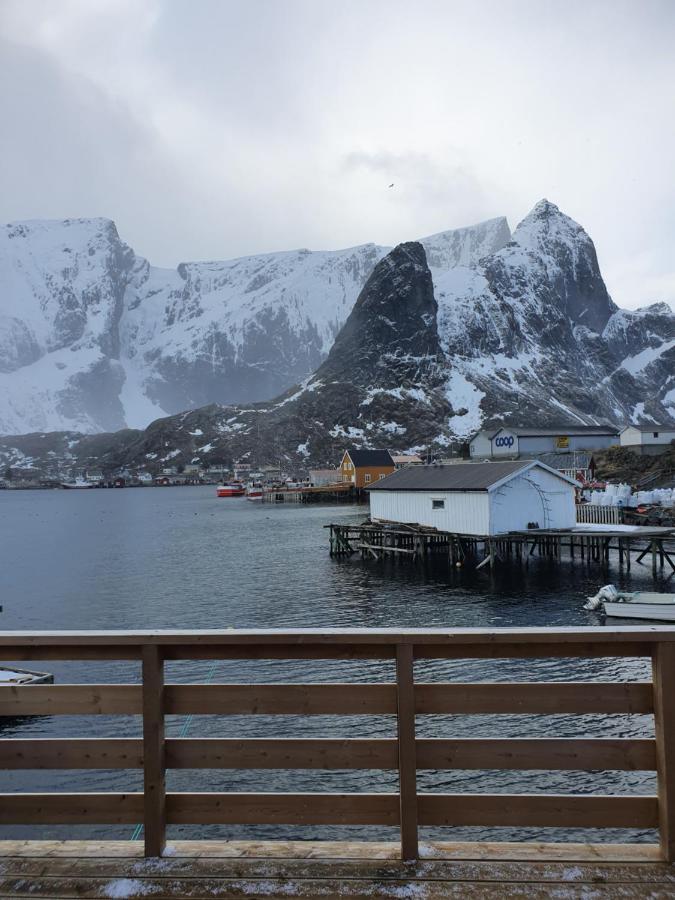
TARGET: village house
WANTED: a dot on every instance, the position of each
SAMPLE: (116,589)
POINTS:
(364,467)
(477,498)
(648,439)
(406,459)
(513,442)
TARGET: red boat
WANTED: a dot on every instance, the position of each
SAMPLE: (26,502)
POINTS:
(231,489)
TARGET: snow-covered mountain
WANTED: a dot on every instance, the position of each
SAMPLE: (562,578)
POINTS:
(93,338)
(527,334)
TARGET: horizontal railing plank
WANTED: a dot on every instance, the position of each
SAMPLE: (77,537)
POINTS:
(275,753)
(282,809)
(535,697)
(71,753)
(70,699)
(538,810)
(70,809)
(539,649)
(537,753)
(339,753)
(351,636)
(280,699)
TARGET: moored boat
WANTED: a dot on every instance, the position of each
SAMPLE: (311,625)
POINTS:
(79,484)
(633,604)
(231,489)
(254,492)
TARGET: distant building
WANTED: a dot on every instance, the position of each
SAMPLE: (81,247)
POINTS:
(648,439)
(364,467)
(477,498)
(511,443)
(406,459)
(94,476)
(577,464)
(319,477)
(145,477)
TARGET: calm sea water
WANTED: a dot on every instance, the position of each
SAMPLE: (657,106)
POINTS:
(182,558)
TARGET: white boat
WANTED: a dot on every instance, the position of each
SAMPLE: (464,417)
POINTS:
(78,485)
(633,604)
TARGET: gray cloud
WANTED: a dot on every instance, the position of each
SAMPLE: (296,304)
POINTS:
(222,128)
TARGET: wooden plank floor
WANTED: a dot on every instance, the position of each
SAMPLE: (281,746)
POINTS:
(303,869)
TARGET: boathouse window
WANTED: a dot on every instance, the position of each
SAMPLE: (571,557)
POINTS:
(656,434)
(438,504)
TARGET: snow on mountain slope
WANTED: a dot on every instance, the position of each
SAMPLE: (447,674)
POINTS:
(143,341)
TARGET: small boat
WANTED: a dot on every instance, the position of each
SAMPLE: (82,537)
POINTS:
(633,604)
(80,484)
(231,489)
(254,492)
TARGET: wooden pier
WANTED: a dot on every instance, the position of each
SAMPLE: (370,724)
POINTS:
(379,540)
(325,493)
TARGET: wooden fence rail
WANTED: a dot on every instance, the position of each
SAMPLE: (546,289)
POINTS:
(404,698)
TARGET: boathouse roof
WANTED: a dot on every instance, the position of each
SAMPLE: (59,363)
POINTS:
(560,430)
(460,477)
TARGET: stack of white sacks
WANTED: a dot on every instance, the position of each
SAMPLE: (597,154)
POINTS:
(621,495)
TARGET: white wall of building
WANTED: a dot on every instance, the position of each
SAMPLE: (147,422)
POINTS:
(467,512)
(505,443)
(633,437)
(532,496)
(480,446)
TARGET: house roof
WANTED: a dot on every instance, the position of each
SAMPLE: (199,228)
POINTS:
(648,428)
(562,430)
(461,477)
(370,457)
(576,459)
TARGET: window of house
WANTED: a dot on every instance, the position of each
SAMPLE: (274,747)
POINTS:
(367,478)
(382,475)
(656,434)
(438,504)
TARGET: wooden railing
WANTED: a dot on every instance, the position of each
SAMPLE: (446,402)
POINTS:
(405,698)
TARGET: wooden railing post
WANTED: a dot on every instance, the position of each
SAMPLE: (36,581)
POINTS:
(663,666)
(154,763)
(407,761)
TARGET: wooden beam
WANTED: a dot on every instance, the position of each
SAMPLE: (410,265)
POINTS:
(537,753)
(70,699)
(281,699)
(70,809)
(546,698)
(538,810)
(663,665)
(71,753)
(282,809)
(407,766)
(276,753)
(154,771)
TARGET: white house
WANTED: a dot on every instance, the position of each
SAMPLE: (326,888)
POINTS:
(509,443)
(648,438)
(477,498)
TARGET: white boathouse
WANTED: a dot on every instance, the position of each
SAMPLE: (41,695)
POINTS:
(477,498)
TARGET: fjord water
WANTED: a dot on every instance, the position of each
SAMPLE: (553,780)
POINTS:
(181,558)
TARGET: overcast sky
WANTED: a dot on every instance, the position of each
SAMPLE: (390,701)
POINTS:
(212,128)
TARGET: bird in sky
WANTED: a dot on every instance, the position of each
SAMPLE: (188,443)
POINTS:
(392,184)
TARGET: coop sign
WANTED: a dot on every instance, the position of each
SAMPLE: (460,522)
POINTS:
(504,441)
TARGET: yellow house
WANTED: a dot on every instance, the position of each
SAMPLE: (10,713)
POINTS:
(364,467)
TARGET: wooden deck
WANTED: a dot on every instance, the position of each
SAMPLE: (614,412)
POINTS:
(114,869)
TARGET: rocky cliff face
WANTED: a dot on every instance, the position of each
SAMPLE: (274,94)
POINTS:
(527,334)
(92,337)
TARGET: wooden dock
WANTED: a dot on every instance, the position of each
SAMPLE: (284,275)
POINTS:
(325,493)
(309,869)
(379,540)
